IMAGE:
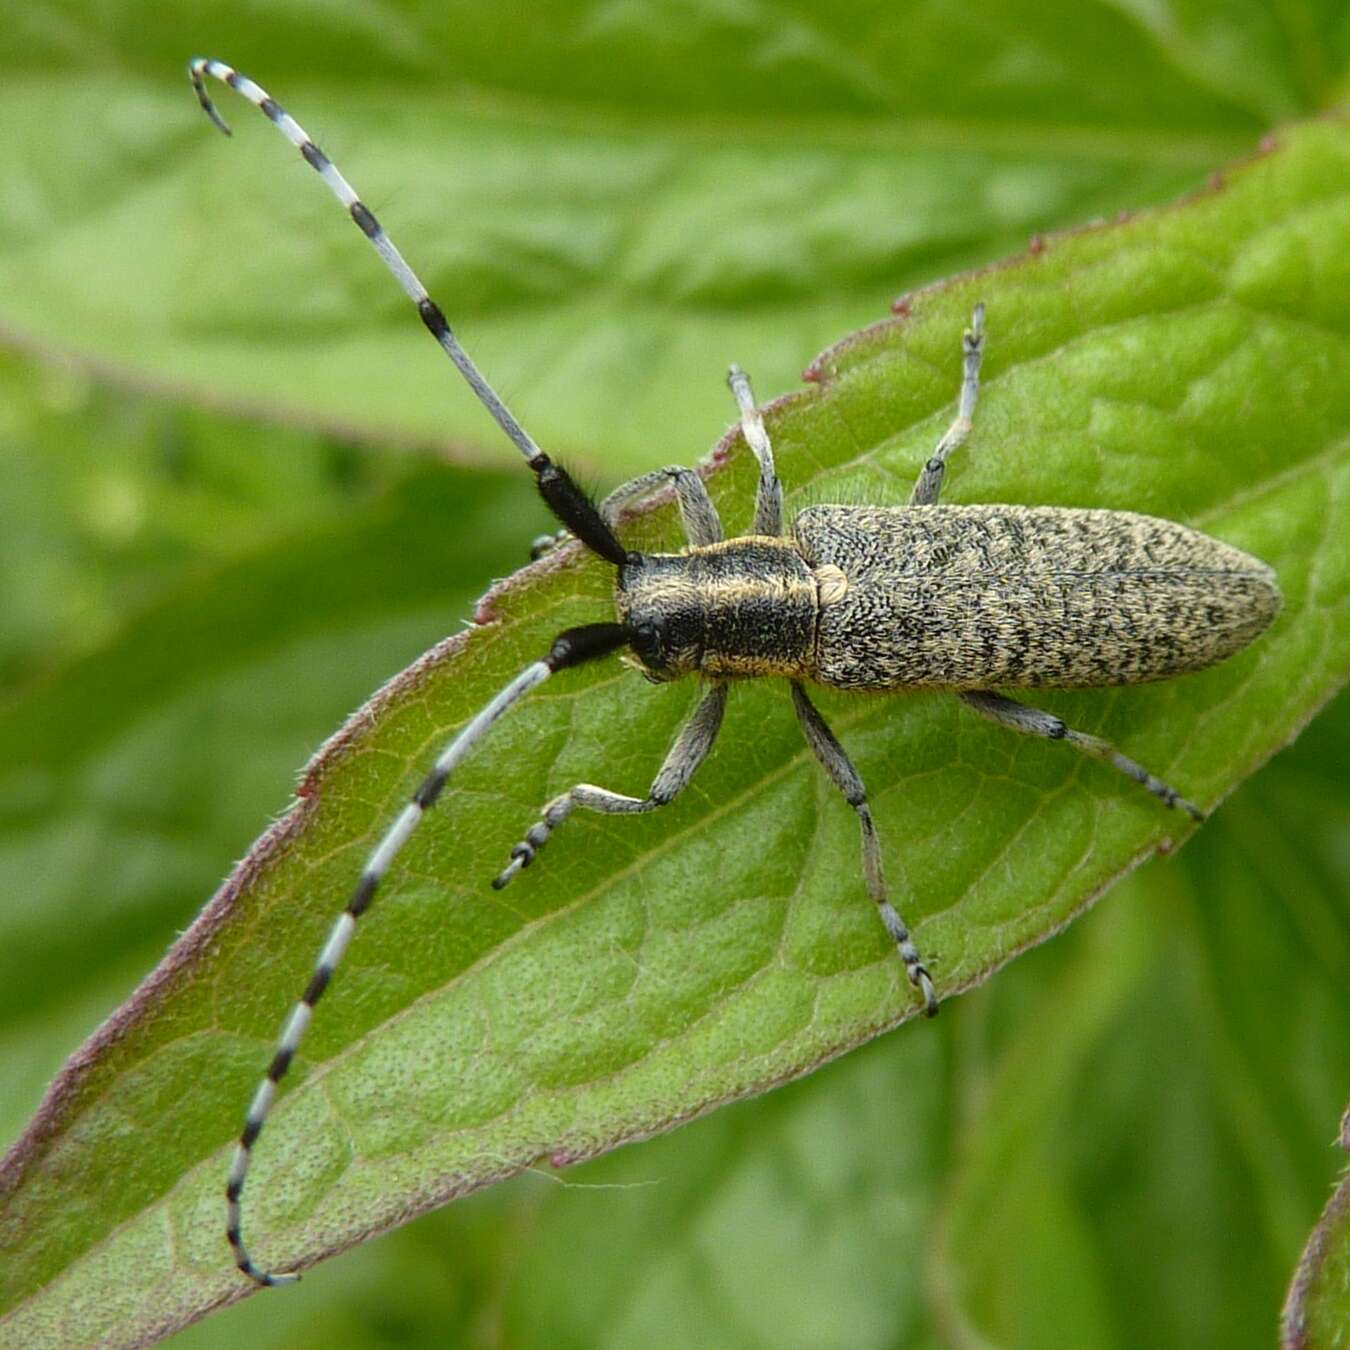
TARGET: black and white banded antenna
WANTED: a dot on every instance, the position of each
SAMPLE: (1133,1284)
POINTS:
(577,512)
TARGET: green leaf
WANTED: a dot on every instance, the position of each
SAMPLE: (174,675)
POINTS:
(1318,1309)
(613,204)
(1192,363)
(1182,1147)
(1169,1088)
(110,502)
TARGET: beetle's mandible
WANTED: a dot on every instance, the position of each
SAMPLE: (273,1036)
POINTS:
(974,599)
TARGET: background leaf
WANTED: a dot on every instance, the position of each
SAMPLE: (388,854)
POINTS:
(177,801)
(1317,1311)
(614,203)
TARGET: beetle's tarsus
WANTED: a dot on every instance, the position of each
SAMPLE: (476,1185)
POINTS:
(925,986)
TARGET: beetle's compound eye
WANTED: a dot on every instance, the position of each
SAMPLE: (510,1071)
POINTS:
(649,646)
(647,641)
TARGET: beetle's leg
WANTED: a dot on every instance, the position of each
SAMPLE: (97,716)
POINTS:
(702,525)
(840,768)
(682,760)
(1009,713)
(929,484)
(698,515)
(769,495)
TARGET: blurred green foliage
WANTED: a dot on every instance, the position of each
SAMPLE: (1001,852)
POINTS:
(1122,1140)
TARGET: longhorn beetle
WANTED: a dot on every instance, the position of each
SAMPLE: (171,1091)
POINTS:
(967,598)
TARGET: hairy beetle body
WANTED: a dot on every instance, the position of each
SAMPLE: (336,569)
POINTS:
(949,597)
(1025,597)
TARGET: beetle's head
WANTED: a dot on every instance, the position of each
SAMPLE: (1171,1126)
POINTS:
(658,602)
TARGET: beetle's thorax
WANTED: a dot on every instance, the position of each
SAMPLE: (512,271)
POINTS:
(741,608)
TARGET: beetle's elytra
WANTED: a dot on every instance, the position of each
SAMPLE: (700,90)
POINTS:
(974,599)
